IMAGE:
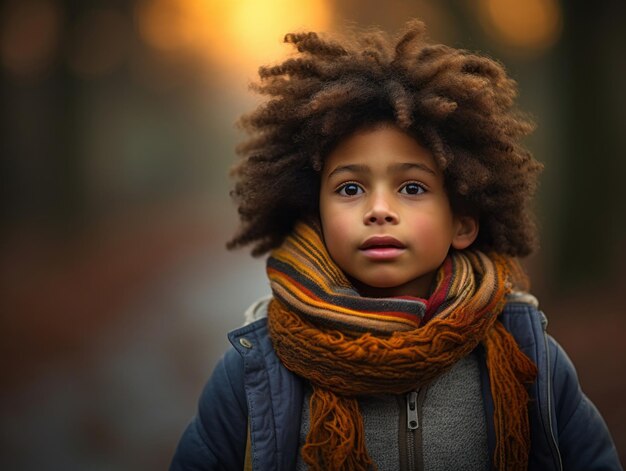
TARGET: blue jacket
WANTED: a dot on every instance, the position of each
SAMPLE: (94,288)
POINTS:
(250,384)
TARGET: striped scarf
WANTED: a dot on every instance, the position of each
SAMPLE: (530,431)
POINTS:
(347,345)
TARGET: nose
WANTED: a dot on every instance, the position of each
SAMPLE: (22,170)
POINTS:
(380,212)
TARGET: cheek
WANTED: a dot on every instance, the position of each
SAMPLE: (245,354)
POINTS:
(336,229)
(431,232)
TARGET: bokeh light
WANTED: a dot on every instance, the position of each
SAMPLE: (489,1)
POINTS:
(529,27)
(237,35)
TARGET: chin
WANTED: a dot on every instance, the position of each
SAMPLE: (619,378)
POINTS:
(386,283)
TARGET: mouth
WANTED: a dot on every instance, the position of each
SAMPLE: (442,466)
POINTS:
(381,242)
(382,248)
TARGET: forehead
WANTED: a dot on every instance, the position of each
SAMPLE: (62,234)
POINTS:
(379,147)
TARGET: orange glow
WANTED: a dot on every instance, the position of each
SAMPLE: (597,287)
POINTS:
(529,25)
(236,34)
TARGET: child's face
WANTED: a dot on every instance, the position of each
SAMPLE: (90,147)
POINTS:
(385,215)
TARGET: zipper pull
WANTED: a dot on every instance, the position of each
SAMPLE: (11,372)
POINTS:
(411,410)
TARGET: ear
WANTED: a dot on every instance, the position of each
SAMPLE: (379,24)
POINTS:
(465,232)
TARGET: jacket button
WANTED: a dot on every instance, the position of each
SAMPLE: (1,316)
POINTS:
(244,342)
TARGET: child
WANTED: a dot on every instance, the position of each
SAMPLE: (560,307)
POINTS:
(388,180)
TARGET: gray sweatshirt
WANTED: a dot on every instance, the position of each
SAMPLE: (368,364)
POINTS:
(450,433)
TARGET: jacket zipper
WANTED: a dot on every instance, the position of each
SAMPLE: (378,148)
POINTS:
(550,433)
(410,433)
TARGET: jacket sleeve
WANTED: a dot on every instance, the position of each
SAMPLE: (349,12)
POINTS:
(216,437)
(584,439)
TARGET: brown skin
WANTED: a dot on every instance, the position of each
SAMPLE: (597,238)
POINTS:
(380,184)
(458,105)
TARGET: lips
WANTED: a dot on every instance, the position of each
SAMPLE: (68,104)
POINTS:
(381,242)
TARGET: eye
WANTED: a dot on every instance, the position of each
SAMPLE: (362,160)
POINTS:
(412,188)
(349,189)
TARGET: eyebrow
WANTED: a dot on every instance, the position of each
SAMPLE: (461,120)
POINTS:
(354,168)
(411,165)
(357,168)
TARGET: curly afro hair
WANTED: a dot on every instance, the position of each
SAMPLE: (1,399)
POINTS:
(458,104)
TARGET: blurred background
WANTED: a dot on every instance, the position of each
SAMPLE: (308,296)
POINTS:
(116,291)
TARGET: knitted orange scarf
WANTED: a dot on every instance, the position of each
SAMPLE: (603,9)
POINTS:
(347,345)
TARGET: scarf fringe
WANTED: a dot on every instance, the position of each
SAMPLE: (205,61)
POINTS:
(336,441)
(509,371)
